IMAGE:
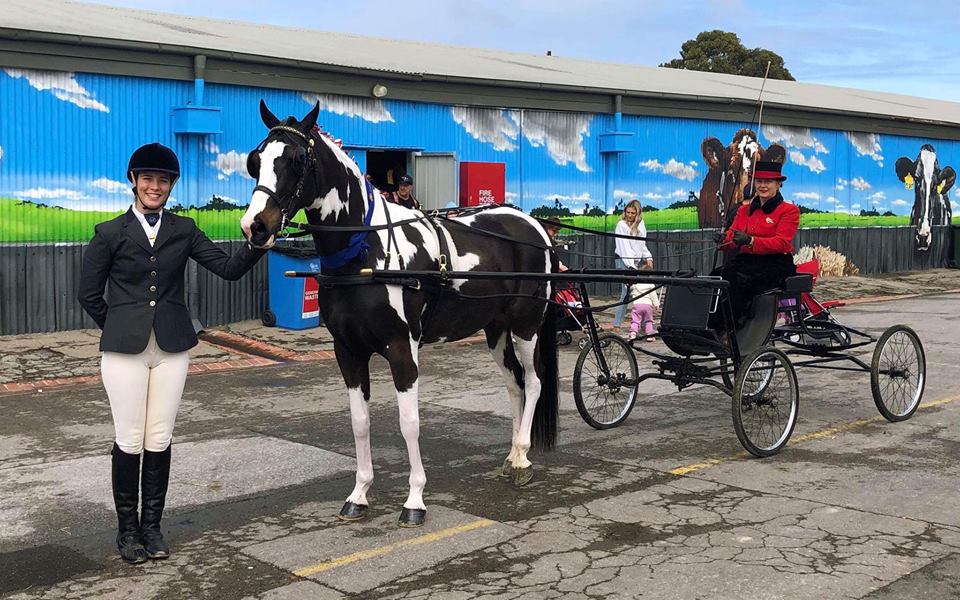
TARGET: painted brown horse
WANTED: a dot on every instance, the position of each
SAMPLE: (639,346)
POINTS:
(729,174)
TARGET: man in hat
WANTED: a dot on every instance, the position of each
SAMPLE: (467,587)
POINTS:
(404,194)
(763,231)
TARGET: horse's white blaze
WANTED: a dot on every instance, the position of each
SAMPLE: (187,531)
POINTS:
(267,178)
(360,418)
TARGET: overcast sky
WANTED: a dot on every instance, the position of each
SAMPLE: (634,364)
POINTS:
(892,46)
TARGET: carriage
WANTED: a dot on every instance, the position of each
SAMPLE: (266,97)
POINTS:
(755,365)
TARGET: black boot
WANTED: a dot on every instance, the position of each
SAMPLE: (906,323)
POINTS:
(126,476)
(156,475)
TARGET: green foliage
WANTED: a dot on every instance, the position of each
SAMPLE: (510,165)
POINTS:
(722,52)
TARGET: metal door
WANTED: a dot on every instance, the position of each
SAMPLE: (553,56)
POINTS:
(435,179)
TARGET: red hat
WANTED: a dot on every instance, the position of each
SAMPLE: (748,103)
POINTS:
(768,170)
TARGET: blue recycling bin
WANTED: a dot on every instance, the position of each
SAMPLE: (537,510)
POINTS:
(293,302)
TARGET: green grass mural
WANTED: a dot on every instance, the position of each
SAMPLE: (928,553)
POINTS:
(22,222)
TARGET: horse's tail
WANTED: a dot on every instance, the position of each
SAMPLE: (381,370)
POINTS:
(546,416)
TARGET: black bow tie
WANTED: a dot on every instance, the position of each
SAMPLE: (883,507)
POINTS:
(152,218)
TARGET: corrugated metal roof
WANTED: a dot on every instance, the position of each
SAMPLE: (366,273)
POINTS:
(90,23)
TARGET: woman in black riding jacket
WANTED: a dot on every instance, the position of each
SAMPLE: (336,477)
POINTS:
(140,257)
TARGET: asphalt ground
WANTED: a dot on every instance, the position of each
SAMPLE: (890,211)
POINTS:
(854,507)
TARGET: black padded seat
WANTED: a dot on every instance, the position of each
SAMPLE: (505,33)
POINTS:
(684,322)
(798,284)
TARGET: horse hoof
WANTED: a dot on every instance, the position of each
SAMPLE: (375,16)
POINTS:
(507,469)
(412,517)
(352,512)
(522,477)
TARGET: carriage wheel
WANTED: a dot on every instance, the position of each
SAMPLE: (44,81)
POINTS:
(605,398)
(766,401)
(898,373)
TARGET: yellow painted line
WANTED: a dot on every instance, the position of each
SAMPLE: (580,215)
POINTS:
(799,439)
(373,552)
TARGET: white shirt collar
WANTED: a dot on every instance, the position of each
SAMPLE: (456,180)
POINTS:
(151,231)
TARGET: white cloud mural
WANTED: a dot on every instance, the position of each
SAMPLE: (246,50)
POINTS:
(371,110)
(806,195)
(62,85)
(231,163)
(584,197)
(492,126)
(794,137)
(110,185)
(1,152)
(842,183)
(561,133)
(624,195)
(860,184)
(672,167)
(899,202)
(811,162)
(877,197)
(866,144)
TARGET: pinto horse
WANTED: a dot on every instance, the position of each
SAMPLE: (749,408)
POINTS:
(931,204)
(728,174)
(298,168)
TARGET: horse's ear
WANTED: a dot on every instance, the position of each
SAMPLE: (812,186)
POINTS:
(947,178)
(310,120)
(775,153)
(712,151)
(905,168)
(269,119)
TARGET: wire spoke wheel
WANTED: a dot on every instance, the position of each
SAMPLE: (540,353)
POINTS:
(898,373)
(605,397)
(766,401)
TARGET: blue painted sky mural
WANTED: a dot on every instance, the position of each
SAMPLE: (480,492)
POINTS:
(65,139)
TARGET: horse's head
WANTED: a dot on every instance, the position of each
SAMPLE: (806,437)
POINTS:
(730,167)
(295,168)
(930,184)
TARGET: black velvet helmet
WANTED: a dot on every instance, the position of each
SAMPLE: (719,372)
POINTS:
(153,157)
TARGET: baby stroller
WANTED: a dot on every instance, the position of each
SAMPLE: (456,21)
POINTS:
(571,317)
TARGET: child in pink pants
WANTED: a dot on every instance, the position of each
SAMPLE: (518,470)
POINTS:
(642,313)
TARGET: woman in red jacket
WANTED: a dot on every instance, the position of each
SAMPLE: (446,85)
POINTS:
(763,231)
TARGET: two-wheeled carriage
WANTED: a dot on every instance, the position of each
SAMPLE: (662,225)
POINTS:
(755,365)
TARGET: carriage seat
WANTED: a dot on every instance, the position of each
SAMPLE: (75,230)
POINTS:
(684,322)
(798,284)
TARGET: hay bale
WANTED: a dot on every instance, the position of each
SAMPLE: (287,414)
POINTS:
(832,263)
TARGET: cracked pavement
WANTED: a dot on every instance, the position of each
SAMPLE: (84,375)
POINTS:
(263,460)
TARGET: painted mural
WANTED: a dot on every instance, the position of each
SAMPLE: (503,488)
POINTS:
(65,139)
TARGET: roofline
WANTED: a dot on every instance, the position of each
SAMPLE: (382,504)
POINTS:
(67,52)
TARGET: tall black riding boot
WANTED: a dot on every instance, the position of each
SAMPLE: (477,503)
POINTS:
(126,480)
(156,475)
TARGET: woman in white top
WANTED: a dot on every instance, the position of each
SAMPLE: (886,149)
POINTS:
(631,254)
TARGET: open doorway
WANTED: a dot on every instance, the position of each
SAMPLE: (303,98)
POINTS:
(386,166)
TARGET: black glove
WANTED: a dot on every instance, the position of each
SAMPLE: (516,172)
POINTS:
(718,238)
(740,238)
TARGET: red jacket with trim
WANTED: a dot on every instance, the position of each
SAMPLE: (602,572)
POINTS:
(772,226)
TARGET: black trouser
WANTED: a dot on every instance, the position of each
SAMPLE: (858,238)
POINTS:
(752,274)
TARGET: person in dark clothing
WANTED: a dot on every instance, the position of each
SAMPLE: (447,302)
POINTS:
(404,194)
(763,231)
(140,258)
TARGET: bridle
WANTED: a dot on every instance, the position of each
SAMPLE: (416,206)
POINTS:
(286,204)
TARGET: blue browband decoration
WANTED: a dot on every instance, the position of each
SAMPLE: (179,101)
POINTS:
(357,244)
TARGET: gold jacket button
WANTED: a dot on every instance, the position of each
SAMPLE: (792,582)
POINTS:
(153,303)
(153,288)
(153,273)
(153,259)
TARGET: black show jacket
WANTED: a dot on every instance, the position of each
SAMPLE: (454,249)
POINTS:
(146,284)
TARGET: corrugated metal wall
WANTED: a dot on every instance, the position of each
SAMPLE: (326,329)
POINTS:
(38,287)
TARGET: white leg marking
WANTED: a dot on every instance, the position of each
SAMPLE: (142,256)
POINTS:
(531,391)
(360,419)
(407,402)
(513,392)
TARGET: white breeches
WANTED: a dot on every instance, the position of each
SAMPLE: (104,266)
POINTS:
(144,391)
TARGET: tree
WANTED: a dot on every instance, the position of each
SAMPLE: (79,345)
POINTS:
(722,52)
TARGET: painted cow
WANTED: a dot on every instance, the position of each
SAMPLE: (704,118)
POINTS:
(930,183)
(729,169)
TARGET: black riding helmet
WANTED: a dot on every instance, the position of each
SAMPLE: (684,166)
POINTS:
(153,157)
